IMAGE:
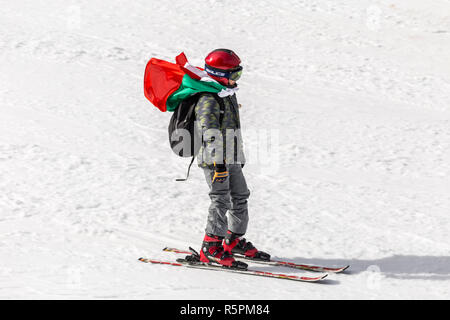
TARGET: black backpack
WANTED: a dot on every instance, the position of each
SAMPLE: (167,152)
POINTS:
(183,136)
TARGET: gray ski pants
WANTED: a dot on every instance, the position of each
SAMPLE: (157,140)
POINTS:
(229,197)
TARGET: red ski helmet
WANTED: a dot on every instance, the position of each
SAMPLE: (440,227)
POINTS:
(222,65)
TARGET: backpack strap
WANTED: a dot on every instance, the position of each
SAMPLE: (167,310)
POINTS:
(221,116)
(189,169)
(219,100)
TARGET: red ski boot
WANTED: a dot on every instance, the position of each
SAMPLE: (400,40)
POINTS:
(212,251)
(236,244)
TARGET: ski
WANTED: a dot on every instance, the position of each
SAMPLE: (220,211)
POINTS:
(307,267)
(209,266)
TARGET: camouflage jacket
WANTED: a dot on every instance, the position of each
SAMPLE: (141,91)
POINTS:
(219,143)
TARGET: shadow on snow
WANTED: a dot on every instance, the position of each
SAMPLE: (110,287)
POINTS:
(397,266)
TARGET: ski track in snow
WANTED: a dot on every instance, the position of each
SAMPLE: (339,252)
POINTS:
(358,93)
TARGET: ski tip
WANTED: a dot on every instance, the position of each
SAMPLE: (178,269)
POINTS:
(321,277)
(336,270)
(342,269)
(313,279)
(345,268)
(325,275)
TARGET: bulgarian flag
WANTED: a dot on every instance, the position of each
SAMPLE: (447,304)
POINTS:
(166,84)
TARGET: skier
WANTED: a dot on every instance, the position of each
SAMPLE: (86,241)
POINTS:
(221,157)
(208,109)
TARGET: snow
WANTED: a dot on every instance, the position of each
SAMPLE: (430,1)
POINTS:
(355,96)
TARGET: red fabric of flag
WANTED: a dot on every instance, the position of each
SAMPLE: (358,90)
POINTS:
(161,79)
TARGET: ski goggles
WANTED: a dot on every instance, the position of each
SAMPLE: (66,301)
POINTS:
(234,74)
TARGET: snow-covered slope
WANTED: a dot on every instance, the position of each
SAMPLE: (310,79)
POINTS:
(355,95)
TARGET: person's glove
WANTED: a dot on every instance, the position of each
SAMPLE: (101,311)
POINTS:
(220,173)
